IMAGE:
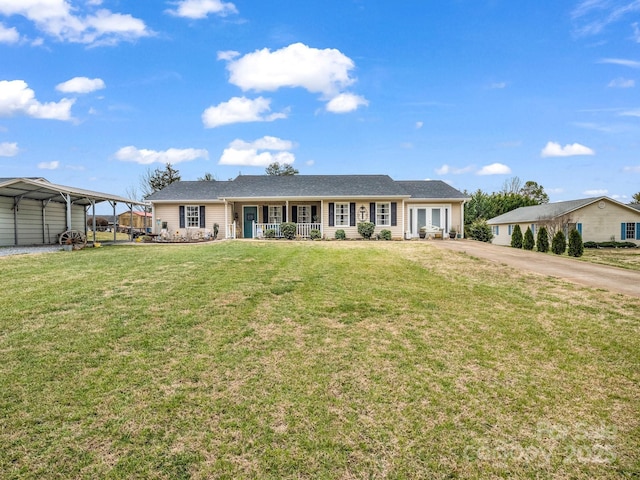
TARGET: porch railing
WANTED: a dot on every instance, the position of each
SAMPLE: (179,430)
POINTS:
(303,229)
(231,230)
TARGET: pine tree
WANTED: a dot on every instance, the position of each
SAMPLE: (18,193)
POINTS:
(576,247)
(559,243)
(542,241)
(527,241)
(516,237)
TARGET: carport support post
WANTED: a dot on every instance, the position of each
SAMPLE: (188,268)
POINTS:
(67,199)
(93,227)
(130,205)
(113,204)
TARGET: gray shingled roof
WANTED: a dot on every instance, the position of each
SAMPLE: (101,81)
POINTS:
(430,189)
(191,190)
(301,186)
(544,211)
(248,186)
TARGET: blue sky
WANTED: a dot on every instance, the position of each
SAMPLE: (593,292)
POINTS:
(93,93)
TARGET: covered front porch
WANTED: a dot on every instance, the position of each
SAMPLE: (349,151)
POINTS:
(264,219)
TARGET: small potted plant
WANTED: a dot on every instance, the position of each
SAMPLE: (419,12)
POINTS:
(452,233)
(423,232)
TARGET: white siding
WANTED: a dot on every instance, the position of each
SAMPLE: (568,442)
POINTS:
(170,213)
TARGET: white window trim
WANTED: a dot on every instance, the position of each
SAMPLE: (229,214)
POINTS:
(307,216)
(344,217)
(275,218)
(189,217)
(380,215)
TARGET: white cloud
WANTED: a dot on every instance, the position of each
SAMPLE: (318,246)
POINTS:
(346,102)
(49,165)
(591,17)
(81,85)
(622,83)
(8,35)
(419,125)
(259,153)
(326,72)
(197,9)
(498,85)
(630,113)
(636,32)
(84,23)
(621,61)
(172,155)
(635,169)
(446,169)
(17,98)
(596,192)
(553,149)
(240,110)
(8,149)
(494,169)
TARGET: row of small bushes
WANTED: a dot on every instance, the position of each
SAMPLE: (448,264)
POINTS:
(609,245)
(558,242)
(365,229)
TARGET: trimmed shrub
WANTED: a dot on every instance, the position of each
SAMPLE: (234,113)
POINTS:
(480,230)
(542,241)
(288,230)
(385,234)
(340,235)
(516,237)
(576,248)
(269,233)
(315,234)
(366,229)
(527,240)
(559,243)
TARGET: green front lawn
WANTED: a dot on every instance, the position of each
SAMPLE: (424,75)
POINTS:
(311,360)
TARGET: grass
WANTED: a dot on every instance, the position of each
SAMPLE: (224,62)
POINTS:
(628,258)
(108,236)
(311,360)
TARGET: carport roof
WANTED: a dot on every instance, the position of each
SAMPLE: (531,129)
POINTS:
(41,189)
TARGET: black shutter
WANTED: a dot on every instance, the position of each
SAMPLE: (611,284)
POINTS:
(372,212)
(181,208)
(294,214)
(352,214)
(314,212)
(332,214)
(394,214)
(284,213)
(265,214)
(203,223)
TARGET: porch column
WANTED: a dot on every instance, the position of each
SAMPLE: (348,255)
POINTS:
(404,235)
(130,205)
(321,217)
(226,218)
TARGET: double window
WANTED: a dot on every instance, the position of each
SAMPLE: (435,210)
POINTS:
(342,214)
(630,231)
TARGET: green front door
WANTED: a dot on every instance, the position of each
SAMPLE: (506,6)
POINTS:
(250,215)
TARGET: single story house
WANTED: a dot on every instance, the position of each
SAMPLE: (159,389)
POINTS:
(34,211)
(249,205)
(598,219)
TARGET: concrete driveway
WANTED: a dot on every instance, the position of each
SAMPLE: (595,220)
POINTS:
(614,279)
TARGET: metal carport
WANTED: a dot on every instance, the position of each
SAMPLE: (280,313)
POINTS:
(35,211)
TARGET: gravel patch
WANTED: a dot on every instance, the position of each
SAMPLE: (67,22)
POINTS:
(5,251)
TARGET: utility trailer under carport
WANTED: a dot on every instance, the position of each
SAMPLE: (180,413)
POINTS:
(34,211)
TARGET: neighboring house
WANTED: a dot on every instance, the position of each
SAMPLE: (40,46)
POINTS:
(35,211)
(598,219)
(136,219)
(249,205)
